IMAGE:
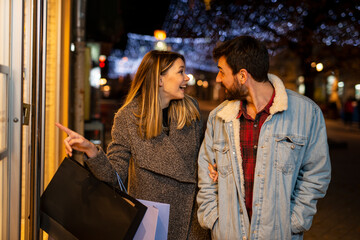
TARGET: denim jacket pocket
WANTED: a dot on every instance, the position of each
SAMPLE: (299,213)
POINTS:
(288,148)
(221,151)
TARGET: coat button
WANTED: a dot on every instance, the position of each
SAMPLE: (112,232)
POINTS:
(293,147)
(255,147)
(244,238)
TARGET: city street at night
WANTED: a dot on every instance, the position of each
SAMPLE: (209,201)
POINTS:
(110,85)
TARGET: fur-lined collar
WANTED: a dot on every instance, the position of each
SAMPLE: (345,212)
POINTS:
(231,109)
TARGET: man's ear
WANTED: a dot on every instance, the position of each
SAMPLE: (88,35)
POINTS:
(242,76)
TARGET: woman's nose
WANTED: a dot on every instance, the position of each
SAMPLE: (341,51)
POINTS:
(187,77)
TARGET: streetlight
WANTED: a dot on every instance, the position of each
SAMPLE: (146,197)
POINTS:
(319,67)
(160,36)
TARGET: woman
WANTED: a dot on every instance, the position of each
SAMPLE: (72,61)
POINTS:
(155,142)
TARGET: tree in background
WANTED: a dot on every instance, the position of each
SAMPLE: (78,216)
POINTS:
(314,30)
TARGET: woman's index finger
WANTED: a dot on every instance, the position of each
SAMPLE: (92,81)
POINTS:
(65,129)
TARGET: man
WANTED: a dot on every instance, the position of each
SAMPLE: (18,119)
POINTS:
(270,148)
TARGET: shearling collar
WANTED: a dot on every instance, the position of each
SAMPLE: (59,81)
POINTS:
(231,109)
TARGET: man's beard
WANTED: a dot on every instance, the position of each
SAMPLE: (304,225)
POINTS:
(237,91)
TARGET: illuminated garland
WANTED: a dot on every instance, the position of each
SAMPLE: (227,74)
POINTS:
(197,53)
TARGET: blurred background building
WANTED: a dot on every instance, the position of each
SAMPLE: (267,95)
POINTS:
(72,61)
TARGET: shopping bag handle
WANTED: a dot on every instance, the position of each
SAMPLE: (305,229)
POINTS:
(121,184)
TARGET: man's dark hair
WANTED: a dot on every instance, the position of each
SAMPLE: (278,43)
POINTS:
(245,52)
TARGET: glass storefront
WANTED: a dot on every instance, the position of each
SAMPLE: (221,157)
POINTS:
(4,204)
(34,54)
(4,96)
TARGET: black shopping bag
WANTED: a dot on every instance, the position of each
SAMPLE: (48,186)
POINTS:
(76,205)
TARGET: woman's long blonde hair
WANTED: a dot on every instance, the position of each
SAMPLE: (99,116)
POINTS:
(145,86)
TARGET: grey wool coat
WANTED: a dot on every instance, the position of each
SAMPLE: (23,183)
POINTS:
(162,169)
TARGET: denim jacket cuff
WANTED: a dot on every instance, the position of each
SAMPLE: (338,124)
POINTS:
(211,219)
(296,227)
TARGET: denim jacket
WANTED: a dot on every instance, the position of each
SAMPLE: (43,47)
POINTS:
(292,170)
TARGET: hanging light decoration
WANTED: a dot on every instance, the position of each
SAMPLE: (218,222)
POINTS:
(207,4)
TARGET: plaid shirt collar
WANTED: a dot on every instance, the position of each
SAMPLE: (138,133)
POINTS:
(265,109)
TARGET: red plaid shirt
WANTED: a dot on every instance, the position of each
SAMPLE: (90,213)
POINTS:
(249,136)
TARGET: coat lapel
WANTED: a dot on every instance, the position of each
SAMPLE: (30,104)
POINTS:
(173,156)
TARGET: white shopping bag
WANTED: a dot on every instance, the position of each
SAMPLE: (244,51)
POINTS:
(155,224)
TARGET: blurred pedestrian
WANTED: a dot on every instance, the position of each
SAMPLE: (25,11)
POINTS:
(358,111)
(155,141)
(270,148)
(349,111)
